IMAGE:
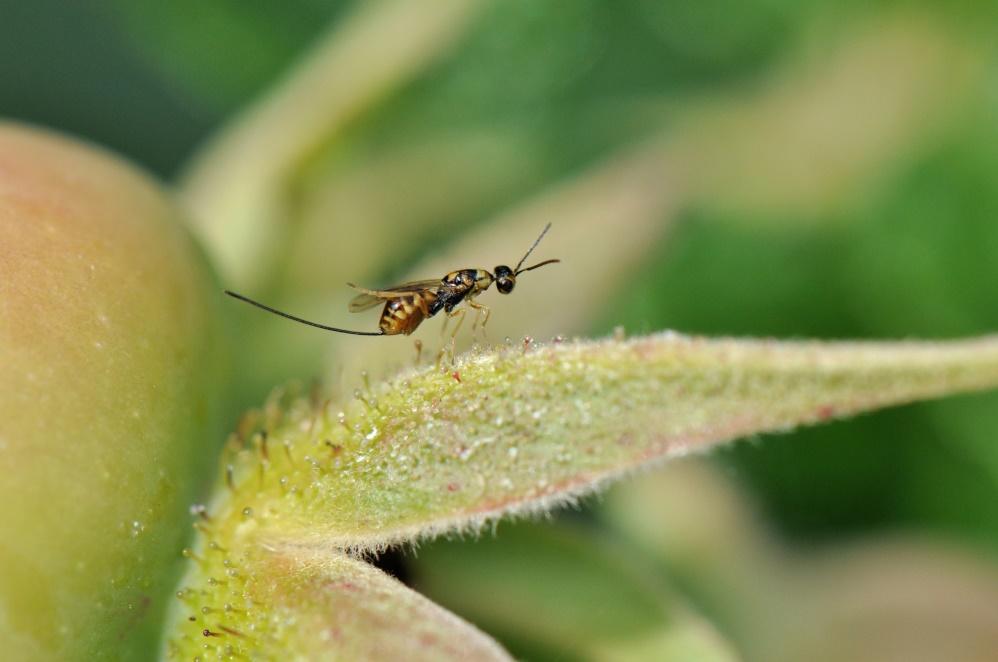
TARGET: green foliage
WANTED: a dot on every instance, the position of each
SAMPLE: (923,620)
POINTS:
(225,53)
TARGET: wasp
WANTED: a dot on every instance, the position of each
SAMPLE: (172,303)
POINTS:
(408,304)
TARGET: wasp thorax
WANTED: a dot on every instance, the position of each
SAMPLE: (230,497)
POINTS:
(505,279)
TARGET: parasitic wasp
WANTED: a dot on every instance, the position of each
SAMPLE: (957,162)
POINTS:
(408,304)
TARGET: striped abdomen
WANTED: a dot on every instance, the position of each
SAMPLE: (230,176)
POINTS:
(405,313)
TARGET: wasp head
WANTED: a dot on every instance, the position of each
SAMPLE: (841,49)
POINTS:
(505,279)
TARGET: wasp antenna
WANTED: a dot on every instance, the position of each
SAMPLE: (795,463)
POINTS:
(539,264)
(236,295)
(537,241)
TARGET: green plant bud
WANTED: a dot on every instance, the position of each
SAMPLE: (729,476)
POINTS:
(110,373)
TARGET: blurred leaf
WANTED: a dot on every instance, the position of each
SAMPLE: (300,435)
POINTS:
(67,66)
(928,243)
(554,591)
(720,34)
(840,117)
(690,518)
(697,281)
(888,601)
(879,600)
(521,57)
(309,605)
(219,51)
(241,186)
(949,486)
(405,206)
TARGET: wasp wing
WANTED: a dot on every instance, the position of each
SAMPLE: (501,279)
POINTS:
(363,302)
(371,298)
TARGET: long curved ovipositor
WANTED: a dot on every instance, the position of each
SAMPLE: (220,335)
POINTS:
(299,319)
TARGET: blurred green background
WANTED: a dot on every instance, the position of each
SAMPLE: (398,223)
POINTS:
(830,170)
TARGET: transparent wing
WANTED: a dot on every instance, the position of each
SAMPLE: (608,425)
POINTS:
(371,298)
(362,302)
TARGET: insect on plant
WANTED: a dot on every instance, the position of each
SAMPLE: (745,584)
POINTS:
(408,304)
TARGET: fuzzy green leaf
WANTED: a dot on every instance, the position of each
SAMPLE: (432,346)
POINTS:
(523,429)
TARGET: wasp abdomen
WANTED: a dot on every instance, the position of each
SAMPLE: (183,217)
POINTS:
(405,313)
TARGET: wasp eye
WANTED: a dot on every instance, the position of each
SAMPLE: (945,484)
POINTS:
(505,285)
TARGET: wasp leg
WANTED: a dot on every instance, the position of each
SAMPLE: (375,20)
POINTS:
(460,312)
(483,315)
(457,327)
(419,350)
